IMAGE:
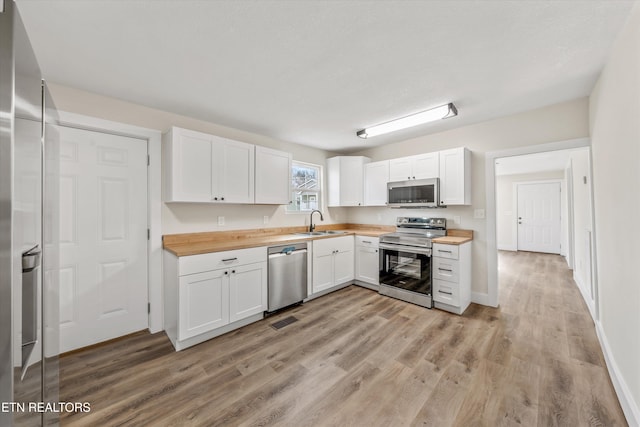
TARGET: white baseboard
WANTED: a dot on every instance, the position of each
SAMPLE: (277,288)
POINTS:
(629,406)
(479,298)
(585,296)
(507,247)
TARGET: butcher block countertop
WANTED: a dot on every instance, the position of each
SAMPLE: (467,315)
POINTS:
(218,241)
(455,237)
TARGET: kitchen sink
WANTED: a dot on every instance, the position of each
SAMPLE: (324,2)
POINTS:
(320,233)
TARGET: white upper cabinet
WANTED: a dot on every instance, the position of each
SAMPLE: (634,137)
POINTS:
(376,176)
(273,176)
(233,171)
(420,166)
(187,166)
(455,177)
(199,167)
(345,180)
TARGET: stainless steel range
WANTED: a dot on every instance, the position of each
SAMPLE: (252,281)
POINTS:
(405,270)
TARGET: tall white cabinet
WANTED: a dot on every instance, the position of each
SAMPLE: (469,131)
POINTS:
(376,176)
(345,180)
(455,177)
(199,167)
(273,176)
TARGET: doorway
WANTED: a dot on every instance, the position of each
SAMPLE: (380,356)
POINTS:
(580,248)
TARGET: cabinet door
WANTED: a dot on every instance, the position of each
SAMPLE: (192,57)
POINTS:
(247,290)
(188,166)
(351,181)
(322,271)
(367,264)
(234,162)
(400,169)
(343,266)
(203,303)
(426,165)
(376,176)
(273,176)
(455,177)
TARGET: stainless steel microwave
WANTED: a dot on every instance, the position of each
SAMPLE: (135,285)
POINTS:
(415,193)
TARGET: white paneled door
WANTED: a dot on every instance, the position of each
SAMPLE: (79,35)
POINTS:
(103,237)
(539,217)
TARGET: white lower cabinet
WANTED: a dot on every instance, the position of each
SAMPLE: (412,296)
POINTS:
(452,277)
(367,262)
(332,262)
(247,291)
(201,306)
(210,294)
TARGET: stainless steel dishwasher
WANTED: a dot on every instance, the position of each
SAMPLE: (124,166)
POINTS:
(287,275)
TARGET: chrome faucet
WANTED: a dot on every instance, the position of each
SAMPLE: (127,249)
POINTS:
(311,226)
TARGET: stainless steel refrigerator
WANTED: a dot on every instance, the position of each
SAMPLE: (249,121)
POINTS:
(28,232)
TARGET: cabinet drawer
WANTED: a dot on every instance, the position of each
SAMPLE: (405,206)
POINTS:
(367,241)
(446,292)
(445,251)
(215,260)
(446,269)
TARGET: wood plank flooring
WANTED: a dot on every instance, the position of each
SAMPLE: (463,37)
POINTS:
(355,358)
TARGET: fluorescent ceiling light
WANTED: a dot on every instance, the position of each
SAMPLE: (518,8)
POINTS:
(441,112)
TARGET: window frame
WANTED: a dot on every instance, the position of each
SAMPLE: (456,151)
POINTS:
(320,191)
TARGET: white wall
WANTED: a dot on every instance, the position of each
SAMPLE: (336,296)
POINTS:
(189,218)
(614,109)
(558,122)
(506,212)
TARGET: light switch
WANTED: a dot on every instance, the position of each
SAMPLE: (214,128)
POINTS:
(220,220)
(265,219)
(456,219)
(478,213)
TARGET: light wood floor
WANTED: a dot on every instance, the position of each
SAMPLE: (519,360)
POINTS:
(356,358)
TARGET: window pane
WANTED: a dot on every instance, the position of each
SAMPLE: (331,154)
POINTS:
(305,187)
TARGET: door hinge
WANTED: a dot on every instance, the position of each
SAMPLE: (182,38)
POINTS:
(148,160)
(148,307)
(148,234)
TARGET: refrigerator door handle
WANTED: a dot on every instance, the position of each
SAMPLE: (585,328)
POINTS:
(30,264)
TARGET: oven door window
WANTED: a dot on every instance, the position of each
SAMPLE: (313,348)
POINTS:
(412,194)
(406,270)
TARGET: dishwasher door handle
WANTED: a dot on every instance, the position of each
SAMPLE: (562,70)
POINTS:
(281,254)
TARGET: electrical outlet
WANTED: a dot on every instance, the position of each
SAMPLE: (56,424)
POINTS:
(478,213)
(265,219)
(220,220)
(456,219)
(379,217)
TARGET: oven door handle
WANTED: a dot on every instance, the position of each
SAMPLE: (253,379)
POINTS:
(410,249)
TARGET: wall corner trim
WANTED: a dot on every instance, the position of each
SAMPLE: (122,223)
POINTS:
(629,406)
(480,298)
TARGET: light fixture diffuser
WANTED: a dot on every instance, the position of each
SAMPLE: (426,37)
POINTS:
(437,113)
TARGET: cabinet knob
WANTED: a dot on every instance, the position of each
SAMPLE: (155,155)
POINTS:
(222,198)
(215,198)
(226,272)
(408,177)
(233,271)
(414,177)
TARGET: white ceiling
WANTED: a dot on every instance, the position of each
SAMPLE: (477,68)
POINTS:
(315,72)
